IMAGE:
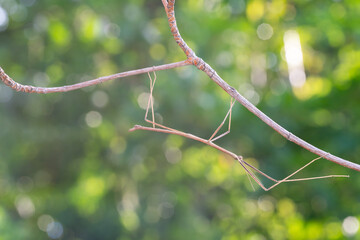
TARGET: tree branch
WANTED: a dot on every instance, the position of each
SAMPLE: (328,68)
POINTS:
(32,89)
(203,66)
(192,59)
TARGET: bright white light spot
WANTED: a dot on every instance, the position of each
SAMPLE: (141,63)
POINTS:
(294,58)
(293,51)
(350,226)
(24,206)
(4,19)
(54,230)
(173,155)
(99,99)
(43,222)
(265,31)
(93,119)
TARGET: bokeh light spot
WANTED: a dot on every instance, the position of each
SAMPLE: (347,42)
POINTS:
(54,230)
(118,145)
(294,58)
(255,10)
(157,51)
(24,206)
(129,220)
(350,226)
(333,230)
(322,117)
(99,99)
(43,222)
(4,19)
(41,79)
(314,86)
(225,59)
(286,207)
(266,203)
(59,34)
(93,119)
(173,155)
(94,186)
(265,31)
(143,100)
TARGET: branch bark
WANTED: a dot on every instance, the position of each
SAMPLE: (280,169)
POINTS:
(203,66)
(32,89)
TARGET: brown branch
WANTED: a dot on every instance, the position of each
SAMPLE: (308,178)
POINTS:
(32,89)
(203,66)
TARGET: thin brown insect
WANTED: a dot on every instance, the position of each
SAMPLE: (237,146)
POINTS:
(247,167)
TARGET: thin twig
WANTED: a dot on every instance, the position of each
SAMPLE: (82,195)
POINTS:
(32,89)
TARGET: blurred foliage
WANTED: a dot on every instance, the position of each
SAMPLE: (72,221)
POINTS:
(69,169)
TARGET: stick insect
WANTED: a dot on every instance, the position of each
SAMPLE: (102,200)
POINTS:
(249,169)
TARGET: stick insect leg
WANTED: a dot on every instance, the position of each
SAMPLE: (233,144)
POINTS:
(286,179)
(151,104)
(232,102)
(150,101)
(250,173)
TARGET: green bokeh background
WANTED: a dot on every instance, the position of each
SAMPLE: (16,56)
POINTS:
(70,169)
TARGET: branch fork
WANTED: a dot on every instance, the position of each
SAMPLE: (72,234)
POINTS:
(203,66)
